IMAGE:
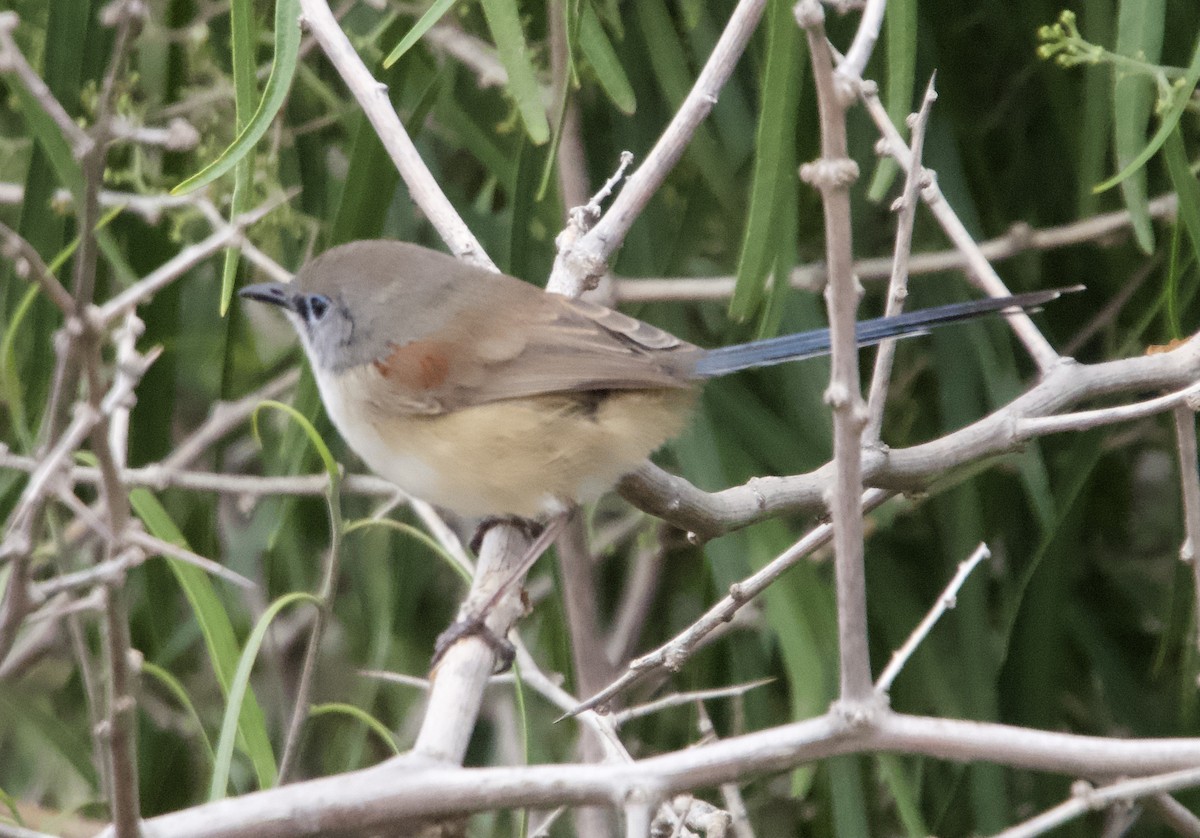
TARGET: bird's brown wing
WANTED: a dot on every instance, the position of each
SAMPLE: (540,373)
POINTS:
(550,345)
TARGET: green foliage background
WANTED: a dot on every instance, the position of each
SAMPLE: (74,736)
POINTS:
(1084,620)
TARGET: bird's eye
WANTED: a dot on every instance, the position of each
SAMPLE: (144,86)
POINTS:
(318,305)
(312,307)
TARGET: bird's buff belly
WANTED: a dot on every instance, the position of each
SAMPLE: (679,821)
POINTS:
(529,457)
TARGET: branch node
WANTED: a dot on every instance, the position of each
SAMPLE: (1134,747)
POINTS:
(120,11)
(1085,791)
(1021,234)
(809,14)
(837,396)
(845,90)
(828,175)
(674,658)
(860,714)
(74,327)
(760,500)
(181,135)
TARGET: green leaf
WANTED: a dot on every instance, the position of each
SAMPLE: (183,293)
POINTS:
(11,388)
(219,637)
(504,21)
(176,689)
(412,532)
(432,15)
(522,713)
(599,52)
(477,139)
(330,464)
(10,803)
(771,179)
(343,709)
(371,177)
(1187,217)
(1170,289)
(1182,94)
(672,72)
(900,31)
(1187,187)
(905,792)
(239,688)
(287,47)
(849,798)
(58,737)
(1139,33)
(243,35)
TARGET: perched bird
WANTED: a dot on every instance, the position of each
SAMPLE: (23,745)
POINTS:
(483,394)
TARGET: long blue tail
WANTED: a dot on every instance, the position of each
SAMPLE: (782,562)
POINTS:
(764,353)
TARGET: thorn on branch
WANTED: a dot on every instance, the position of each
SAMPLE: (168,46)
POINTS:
(581,219)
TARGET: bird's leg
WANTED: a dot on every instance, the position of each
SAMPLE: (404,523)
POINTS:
(474,623)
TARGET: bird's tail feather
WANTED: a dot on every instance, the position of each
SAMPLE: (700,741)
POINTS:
(796,347)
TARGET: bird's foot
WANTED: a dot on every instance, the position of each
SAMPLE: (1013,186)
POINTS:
(474,626)
(531,529)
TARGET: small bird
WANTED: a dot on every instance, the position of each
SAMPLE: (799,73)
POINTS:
(484,395)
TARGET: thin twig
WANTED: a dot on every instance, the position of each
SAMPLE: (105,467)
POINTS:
(637,597)
(944,603)
(329,575)
(149,207)
(865,37)
(979,270)
(571,163)
(224,417)
(1189,479)
(1018,240)
(674,652)
(898,284)
(585,259)
(832,175)
(373,98)
(156,546)
(685,699)
(1085,420)
(1174,814)
(183,261)
(1084,798)
(735,805)
(580,598)
(28,264)
(13,61)
(109,441)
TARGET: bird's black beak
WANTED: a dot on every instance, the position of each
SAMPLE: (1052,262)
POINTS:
(275,293)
